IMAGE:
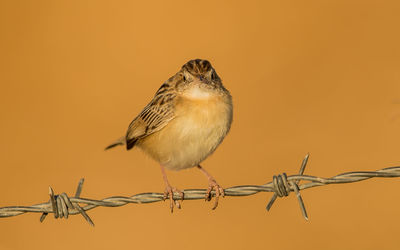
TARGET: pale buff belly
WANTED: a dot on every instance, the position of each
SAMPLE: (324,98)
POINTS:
(197,130)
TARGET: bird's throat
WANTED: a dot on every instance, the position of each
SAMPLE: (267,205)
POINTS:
(198,93)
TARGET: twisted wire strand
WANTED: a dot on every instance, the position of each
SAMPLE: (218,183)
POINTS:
(282,185)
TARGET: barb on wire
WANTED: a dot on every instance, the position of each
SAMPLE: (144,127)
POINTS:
(282,188)
(63,206)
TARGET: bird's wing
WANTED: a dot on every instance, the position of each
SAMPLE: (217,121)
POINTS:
(154,117)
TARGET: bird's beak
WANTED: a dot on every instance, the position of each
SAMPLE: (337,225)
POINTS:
(204,80)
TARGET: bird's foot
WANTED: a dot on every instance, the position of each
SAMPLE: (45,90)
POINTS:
(169,192)
(219,191)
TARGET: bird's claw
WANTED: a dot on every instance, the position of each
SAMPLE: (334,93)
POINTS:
(219,191)
(169,192)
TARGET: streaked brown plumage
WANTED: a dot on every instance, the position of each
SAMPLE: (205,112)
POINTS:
(187,119)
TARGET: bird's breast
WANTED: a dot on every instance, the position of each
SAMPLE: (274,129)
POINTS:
(198,128)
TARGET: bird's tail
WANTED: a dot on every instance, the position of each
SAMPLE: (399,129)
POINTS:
(120,142)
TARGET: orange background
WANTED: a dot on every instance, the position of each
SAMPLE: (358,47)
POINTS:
(306,76)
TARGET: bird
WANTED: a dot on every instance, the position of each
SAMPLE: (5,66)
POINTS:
(184,123)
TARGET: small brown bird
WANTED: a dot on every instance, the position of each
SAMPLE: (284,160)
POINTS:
(187,119)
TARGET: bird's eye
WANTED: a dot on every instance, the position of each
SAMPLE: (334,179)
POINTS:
(213,77)
(184,78)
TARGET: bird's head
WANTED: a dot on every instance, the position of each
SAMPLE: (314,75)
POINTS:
(199,73)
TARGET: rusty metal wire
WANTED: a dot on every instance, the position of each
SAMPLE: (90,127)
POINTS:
(62,205)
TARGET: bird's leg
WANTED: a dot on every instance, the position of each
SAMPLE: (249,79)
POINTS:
(212,185)
(169,191)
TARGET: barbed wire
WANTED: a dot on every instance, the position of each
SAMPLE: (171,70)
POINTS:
(62,205)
